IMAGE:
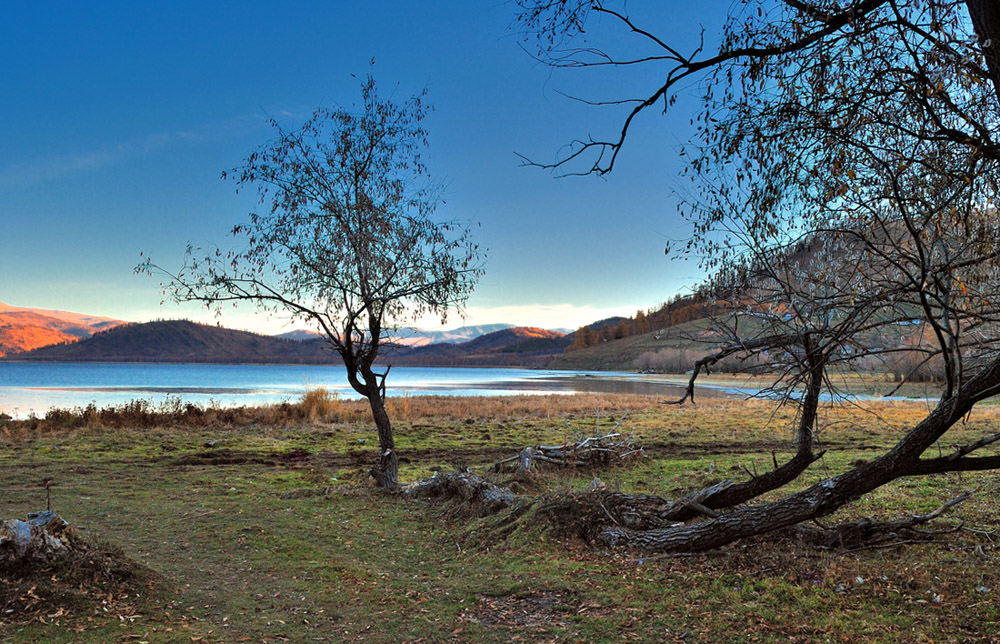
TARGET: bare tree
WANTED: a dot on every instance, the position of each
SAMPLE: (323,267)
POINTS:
(843,182)
(346,241)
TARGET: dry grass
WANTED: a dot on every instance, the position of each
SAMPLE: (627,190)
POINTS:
(321,404)
(425,408)
(316,405)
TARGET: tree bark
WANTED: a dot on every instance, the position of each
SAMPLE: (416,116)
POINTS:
(386,473)
(485,494)
(371,386)
(985,16)
(734,495)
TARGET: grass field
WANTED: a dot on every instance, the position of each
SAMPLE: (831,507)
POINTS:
(262,526)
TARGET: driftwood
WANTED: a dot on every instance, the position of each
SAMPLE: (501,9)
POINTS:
(594,451)
(43,537)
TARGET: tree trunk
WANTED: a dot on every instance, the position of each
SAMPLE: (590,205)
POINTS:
(734,495)
(386,473)
(985,16)
(371,386)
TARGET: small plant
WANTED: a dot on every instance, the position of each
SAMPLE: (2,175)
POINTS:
(91,416)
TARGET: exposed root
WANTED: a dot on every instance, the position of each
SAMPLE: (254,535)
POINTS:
(636,521)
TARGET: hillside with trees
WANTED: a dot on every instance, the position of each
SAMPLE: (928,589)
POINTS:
(182,341)
(677,312)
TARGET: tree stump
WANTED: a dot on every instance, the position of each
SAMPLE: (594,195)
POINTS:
(42,537)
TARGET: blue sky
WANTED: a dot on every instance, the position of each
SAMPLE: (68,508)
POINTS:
(117,118)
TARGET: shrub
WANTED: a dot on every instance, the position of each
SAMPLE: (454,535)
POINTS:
(319,404)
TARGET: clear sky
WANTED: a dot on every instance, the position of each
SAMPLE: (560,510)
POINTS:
(116,119)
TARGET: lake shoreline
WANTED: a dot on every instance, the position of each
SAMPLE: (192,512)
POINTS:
(30,388)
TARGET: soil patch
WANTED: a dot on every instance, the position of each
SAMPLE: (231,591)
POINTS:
(226,456)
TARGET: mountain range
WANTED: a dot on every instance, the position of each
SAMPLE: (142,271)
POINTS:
(410,336)
(59,336)
(185,341)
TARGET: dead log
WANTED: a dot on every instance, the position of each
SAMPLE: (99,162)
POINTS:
(593,451)
(648,512)
(43,537)
(471,488)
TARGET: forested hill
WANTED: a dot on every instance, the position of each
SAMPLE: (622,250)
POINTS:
(516,346)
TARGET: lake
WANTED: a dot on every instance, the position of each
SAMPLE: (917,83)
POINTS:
(33,388)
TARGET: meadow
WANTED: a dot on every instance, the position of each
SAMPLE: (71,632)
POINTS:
(262,525)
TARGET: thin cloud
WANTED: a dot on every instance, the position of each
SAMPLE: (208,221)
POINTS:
(58,167)
(68,165)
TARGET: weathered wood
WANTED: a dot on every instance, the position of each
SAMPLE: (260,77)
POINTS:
(646,512)
(816,501)
(43,536)
(463,485)
(593,451)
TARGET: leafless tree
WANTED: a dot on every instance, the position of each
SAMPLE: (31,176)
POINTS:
(347,240)
(844,173)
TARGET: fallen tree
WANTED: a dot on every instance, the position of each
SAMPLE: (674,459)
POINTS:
(485,495)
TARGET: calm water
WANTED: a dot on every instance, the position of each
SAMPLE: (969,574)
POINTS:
(34,388)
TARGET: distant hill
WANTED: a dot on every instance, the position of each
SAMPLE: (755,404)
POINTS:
(673,350)
(24,329)
(612,321)
(515,346)
(417,337)
(298,335)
